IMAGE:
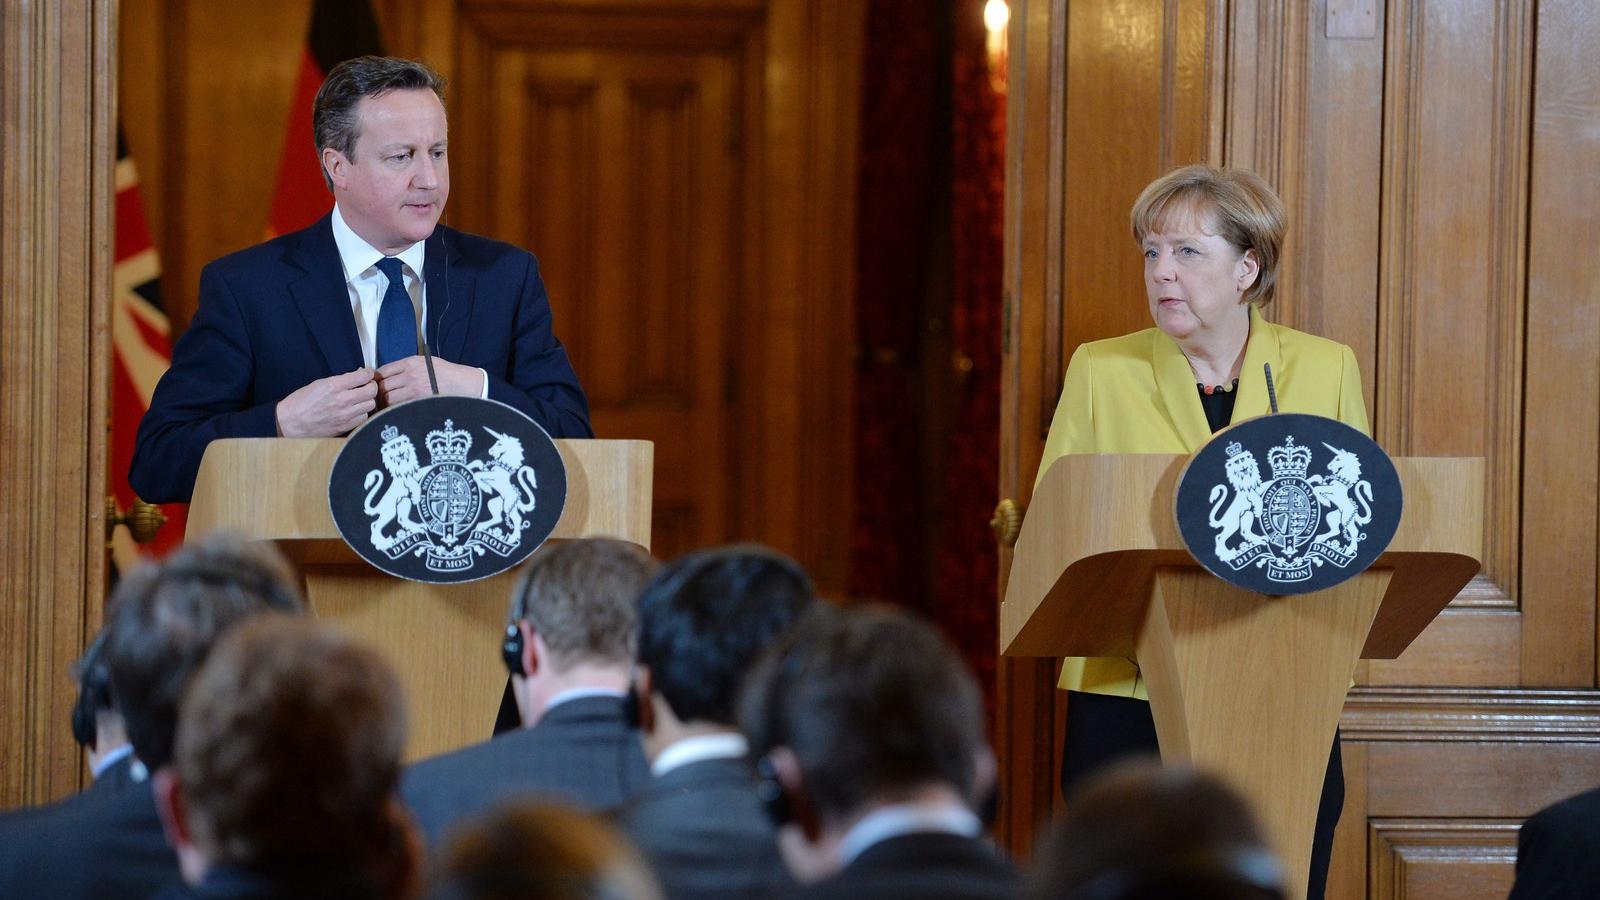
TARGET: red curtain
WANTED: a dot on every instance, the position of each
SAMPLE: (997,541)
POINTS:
(928,271)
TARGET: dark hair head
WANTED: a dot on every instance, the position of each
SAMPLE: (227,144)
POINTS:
(1142,831)
(581,597)
(334,121)
(705,618)
(165,618)
(540,853)
(872,703)
(94,691)
(288,749)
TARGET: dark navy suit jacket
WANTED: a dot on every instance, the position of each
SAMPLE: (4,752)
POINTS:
(276,317)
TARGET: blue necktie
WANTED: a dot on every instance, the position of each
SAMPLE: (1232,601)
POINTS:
(397,319)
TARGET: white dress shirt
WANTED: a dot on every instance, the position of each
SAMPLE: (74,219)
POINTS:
(728,745)
(367,285)
(902,819)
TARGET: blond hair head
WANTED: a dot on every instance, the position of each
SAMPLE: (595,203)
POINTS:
(1232,203)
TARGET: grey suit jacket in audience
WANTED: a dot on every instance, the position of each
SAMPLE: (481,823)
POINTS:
(583,753)
(927,866)
(705,833)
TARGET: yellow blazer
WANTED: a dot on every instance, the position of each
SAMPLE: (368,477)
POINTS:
(1136,394)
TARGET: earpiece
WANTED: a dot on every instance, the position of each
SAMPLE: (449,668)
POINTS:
(511,650)
(770,791)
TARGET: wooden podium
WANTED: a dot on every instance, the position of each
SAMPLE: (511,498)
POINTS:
(1246,685)
(443,639)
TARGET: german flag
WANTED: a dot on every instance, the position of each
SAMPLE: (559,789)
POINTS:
(340,30)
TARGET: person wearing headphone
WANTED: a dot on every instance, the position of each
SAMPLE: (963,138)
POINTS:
(569,645)
(97,724)
(869,733)
(703,621)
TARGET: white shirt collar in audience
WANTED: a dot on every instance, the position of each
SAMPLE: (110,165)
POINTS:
(581,694)
(728,745)
(895,821)
(358,256)
(111,759)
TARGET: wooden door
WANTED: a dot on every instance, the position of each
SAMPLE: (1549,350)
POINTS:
(1438,160)
(626,183)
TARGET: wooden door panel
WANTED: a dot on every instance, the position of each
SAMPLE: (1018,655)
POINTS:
(627,192)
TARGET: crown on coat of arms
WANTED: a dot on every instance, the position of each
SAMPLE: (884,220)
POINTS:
(1234,449)
(450,445)
(1289,460)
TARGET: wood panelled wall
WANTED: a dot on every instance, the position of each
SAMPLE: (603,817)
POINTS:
(55,275)
(1439,162)
(684,172)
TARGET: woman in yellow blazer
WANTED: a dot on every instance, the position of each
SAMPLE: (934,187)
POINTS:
(1211,241)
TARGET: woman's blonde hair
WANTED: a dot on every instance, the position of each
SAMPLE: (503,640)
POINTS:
(1237,203)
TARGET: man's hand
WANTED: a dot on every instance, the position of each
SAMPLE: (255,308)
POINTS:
(407,379)
(329,407)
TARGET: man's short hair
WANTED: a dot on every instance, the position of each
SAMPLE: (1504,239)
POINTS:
(705,618)
(288,750)
(581,597)
(1141,831)
(872,703)
(334,122)
(165,618)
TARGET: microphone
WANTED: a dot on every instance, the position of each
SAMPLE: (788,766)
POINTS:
(427,360)
(1272,392)
(427,355)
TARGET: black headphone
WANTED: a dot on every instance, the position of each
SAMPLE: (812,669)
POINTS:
(511,649)
(94,691)
(772,794)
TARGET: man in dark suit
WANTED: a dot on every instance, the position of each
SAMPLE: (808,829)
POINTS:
(703,620)
(1558,851)
(569,646)
(870,736)
(309,333)
(107,842)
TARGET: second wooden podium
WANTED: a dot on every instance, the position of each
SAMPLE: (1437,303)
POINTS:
(443,639)
(1246,685)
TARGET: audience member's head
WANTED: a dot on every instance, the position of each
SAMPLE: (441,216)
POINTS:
(855,710)
(1143,832)
(286,761)
(703,621)
(574,620)
(540,853)
(164,619)
(97,724)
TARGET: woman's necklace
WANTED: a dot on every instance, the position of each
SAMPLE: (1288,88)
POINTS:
(1209,389)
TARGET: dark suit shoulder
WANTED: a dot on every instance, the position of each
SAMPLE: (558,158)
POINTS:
(273,254)
(928,866)
(1558,850)
(583,752)
(484,254)
(89,846)
(704,831)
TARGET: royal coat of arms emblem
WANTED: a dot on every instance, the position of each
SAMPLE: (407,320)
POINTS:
(457,510)
(1294,526)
